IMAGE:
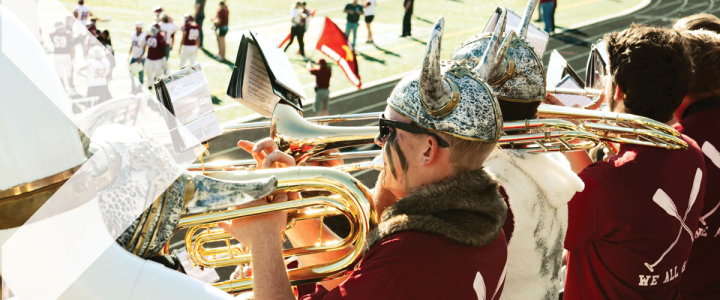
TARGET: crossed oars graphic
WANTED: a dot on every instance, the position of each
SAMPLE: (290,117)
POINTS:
(714,155)
(663,200)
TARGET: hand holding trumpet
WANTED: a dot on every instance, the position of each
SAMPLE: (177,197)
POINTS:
(264,227)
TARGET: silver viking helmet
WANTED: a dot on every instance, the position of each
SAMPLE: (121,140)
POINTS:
(518,74)
(448,96)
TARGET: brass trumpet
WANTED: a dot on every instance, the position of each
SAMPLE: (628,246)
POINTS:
(349,198)
(612,127)
(304,140)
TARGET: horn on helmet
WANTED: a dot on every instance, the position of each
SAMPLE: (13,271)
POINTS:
(525,24)
(491,58)
(434,91)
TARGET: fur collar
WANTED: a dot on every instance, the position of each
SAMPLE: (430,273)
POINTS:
(550,172)
(467,209)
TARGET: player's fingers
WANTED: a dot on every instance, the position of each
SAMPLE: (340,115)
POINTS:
(596,102)
(248,147)
(263,147)
(279,159)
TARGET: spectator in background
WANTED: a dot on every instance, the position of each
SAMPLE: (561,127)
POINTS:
(353,11)
(168,29)
(190,40)
(137,50)
(104,38)
(221,29)
(87,42)
(548,14)
(322,86)
(308,15)
(107,42)
(199,18)
(98,68)
(155,43)
(406,28)
(297,18)
(62,41)
(369,16)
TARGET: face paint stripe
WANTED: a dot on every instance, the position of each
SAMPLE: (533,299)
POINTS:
(401,157)
(388,144)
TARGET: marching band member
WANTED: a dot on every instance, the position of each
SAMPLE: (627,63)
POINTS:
(441,214)
(536,187)
(699,118)
(631,230)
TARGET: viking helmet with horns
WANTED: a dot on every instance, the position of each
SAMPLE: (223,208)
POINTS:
(448,96)
(517,73)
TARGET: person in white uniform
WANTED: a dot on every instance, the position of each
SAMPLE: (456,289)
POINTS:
(82,13)
(168,29)
(137,51)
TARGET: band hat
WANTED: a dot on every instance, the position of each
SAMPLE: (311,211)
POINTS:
(519,75)
(448,96)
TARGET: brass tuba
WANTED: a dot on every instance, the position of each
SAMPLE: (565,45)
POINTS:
(348,197)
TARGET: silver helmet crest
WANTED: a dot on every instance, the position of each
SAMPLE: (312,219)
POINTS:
(448,96)
(518,74)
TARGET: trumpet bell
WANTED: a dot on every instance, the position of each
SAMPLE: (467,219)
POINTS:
(303,139)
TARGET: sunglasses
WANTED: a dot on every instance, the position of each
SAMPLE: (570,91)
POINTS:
(386,124)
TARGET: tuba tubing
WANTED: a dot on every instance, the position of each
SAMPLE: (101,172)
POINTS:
(354,201)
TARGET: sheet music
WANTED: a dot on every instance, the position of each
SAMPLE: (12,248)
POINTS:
(555,68)
(191,99)
(280,65)
(256,89)
(595,72)
(571,100)
(536,37)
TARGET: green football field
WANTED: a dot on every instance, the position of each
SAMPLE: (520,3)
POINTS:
(390,55)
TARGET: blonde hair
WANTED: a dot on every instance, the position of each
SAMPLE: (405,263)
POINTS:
(467,155)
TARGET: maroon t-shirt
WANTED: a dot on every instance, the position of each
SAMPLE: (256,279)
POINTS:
(631,230)
(701,279)
(191,34)
(322,77)
(222,17)
(418,265)
(156,46)
(62,41)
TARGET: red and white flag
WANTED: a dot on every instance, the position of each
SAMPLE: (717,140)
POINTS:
(333,43)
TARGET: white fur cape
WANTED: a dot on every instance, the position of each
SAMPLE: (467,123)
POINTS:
(539,187)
